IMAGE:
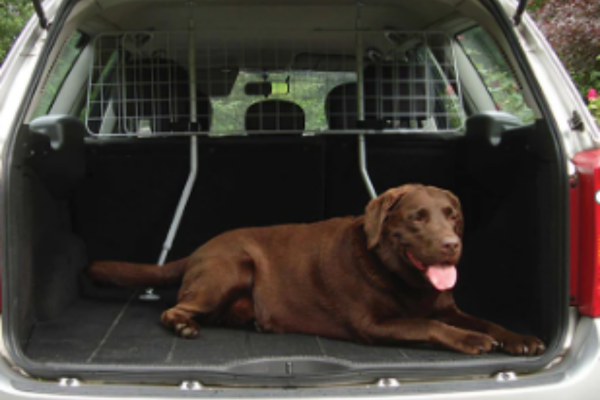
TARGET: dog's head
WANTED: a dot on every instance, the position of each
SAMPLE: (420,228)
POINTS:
(420,227)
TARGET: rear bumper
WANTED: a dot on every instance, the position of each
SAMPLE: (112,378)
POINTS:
(576,376)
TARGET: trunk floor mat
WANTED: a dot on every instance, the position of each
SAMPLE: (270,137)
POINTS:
(117,332)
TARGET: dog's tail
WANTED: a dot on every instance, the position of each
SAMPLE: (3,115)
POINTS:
(130,275)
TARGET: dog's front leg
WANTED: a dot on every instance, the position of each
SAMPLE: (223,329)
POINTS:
(425,330)
(512,343)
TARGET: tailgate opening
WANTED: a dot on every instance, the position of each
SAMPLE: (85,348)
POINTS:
(277,124)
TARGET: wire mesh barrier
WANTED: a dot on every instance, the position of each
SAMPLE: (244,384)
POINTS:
(148,83)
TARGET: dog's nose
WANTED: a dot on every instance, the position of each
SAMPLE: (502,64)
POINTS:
(450,244)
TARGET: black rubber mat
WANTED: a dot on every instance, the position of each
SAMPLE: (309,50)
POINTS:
(129,333)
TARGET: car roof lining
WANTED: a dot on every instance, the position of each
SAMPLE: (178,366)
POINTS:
(266,15)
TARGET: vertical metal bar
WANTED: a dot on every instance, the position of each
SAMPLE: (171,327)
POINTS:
(126,86)
(208,71)
(278,115)
(396,92)
(176,54)
(454,66)
(362,160)
(261,115)
(153,94)
(102,88)
(192,60)
(122,83)
(224,72)
(412,94)
(170,82)
(90,83)
(379,92)
(429,93)
(187,190)
(137,96)
(360,95)
(360,105)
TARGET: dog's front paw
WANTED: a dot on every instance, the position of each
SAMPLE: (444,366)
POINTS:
(188,329)
(476,343)
(184,326)
(522,345)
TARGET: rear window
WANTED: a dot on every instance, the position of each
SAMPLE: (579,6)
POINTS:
(307,89)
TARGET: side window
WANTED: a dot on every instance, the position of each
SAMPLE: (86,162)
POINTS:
(495,73)
(102,94)
(59,72)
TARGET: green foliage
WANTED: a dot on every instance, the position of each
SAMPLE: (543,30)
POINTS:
(573,28)
(534,5)
(495,73)
(67,57)
(13,16)
(594,106)
(588,79)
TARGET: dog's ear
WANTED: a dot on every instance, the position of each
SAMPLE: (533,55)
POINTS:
(377,210)
(460,224)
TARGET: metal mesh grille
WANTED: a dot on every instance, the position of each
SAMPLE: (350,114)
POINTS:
(281,82)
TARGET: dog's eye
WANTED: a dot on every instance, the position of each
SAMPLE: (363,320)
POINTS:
(397,235)
(420,216)
(451,213)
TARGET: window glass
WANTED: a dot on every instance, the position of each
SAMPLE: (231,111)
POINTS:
(495,73)
(308,89)
(63,66)
(102,92)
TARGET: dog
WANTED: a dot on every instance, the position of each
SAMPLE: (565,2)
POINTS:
(382,278)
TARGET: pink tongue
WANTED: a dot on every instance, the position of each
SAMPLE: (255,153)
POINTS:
(442,277)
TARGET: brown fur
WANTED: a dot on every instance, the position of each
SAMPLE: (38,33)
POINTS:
(344,278)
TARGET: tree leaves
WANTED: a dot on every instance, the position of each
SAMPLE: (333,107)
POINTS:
(13,16)
(573,29)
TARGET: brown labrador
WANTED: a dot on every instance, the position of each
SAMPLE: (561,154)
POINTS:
(385,277)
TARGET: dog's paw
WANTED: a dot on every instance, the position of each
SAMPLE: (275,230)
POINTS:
(522,345)
(188,329)
(476,343)
(184,326)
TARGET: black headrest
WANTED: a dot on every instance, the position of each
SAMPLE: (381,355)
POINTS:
(275,115)
(394,98)
(340,107)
